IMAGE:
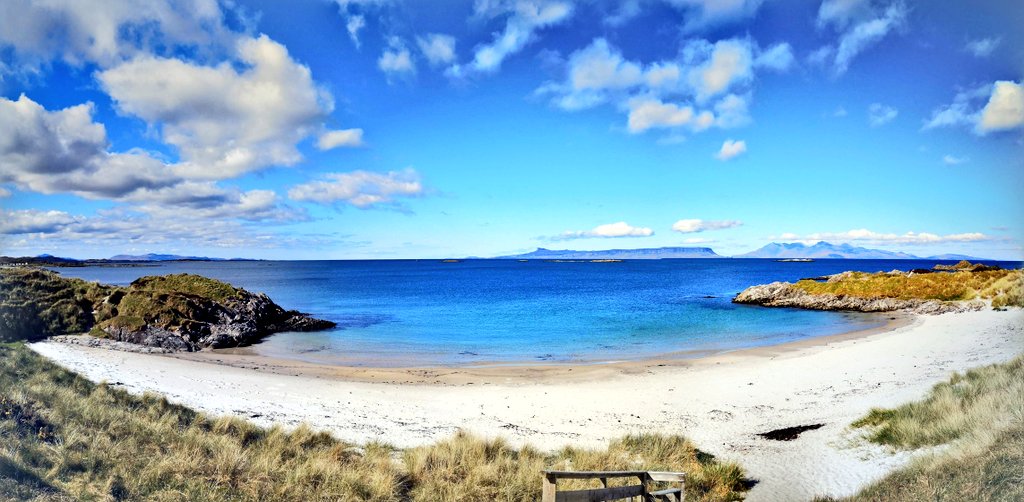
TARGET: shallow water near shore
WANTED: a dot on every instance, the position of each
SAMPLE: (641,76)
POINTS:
(432,313)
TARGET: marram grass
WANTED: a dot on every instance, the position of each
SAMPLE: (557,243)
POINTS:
(64,438)
(1003,287)
(979,418)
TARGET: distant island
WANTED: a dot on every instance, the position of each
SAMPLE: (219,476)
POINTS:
(775,250)
(843,251)
(47,260)
(616,254)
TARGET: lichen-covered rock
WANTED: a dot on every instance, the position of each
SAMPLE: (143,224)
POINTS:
(784,294)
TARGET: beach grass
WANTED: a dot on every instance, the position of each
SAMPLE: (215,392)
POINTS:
(63,437)
(978,419)
(1003,287)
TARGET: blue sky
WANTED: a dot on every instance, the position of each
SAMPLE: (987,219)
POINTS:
(388,129)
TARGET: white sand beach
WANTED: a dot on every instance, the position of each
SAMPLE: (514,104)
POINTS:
(721,402)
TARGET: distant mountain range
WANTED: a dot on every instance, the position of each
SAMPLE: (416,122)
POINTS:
(845,251)
(821,250)
(160,257)
(616,254)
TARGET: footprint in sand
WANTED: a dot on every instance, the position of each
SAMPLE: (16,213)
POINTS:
(720,415)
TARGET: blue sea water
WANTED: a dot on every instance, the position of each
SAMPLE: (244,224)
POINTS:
(427,312)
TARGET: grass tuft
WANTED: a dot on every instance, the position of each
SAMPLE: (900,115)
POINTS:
(1003,287)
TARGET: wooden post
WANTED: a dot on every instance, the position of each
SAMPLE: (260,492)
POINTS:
(548,493)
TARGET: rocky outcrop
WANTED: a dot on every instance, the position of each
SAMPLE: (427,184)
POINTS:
(172,312)
(784,294)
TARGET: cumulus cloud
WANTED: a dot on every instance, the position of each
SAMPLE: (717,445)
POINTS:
(860,25)
(396,60)
(983,47)
(708,85)
(30,221)
(329,140)
(606,231)
(108,32)
(731,149)
(224,120)
(1004,109)
(696,225)
(437,48)
(524,19)
(867,236)
(361,189)
(879,114)
(951,160)
(65,151)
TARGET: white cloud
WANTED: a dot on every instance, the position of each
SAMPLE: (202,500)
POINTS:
(730,62)
(64,151)
(607,231)
(396,59)
(708,85)
(879,114)
(110,31)
(224,121)
(525,17)
(950,160)
(778,57)
(730,149)
(983,47)
(1005,108)
(840,13)
(354,25)
(4,193)
(860,25)
(362,189)
(703,13)
(437,48)
(340,138)
(696,225)
(647,113)
(30,221)
(867,236)
(840,112)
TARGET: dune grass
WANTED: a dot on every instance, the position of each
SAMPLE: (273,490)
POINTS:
(63,437)
(1003,287)
(979,416)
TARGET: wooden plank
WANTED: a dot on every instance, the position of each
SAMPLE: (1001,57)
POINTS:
(600,494)
(593,474)
(667,491)
(671,477)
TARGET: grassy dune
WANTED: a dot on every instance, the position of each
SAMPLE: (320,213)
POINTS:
(979,416)
(1003,287)
(62,437)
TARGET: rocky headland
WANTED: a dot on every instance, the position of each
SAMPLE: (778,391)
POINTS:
(955,288)
(181,312)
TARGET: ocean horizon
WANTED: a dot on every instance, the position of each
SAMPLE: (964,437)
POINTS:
(408,313)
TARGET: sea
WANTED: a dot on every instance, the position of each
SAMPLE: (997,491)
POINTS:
(414,313)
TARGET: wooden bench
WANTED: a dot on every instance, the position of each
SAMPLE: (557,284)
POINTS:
(641,490)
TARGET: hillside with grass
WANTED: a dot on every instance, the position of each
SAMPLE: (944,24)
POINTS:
(65,438)
(177,312)
(960,287)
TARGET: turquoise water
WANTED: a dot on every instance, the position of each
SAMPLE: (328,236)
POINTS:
(412,313)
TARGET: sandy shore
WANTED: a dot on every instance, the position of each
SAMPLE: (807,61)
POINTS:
(721,402)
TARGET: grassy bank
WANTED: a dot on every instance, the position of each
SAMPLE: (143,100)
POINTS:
(62,437)
(1003,287)
(979,416)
